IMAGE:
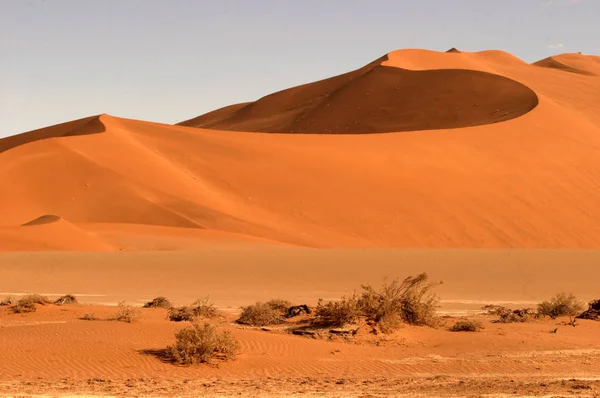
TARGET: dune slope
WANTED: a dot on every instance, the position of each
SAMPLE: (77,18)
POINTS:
(531,182)
(378,99)
(575,63)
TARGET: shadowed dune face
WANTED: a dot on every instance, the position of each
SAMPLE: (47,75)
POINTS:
(381,99)
(46,219)
(88,125)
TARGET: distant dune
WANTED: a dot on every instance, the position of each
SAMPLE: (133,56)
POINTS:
(448,174)
(49,232)
(576,63)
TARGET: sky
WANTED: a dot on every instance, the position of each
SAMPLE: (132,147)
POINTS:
(170,60)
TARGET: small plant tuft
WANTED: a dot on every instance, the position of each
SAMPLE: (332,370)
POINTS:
(562,304)
(202,344)
(466,325)
(8,300)
(126,313)
(89,317)
(158,302)
(67,299)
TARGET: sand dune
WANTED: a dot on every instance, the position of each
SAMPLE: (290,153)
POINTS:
(528,182)
(575,63)
(49,232)
(377,99)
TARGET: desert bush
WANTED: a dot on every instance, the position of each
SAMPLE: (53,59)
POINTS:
(204,308)
(411,300)
(126,313)
(466,325)
(202,343)
(158,302)
(262,314)
(338,313)
(389,322)
(201,308)
(89,317)
(593,311)
(519,315)
(181,314)
(563,304)
(8,300)
(66,300)
(27,303)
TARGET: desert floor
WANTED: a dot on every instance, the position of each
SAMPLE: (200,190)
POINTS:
(54,352)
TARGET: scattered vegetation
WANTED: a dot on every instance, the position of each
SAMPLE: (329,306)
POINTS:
(466,325)
(159,302)
(263,314)
(126,313)
(563,304)
(89,317)
(201,308)
(202,344)
(508,315)
(28,303)
(410,301)
(67,299)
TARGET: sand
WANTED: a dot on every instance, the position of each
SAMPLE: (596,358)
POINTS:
(477,168)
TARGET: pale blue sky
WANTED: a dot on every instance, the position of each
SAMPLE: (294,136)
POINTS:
(169,60)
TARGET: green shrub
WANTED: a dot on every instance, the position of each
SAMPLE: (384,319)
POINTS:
(202,344)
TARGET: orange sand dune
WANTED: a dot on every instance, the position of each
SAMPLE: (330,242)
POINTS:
(49,232)
(576,63)
(531,181)
(377,99)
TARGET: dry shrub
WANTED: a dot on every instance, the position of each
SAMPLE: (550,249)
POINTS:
(158,302)
(389,323)
(27,303)
(8,300)
(466,325)
(338,313)
(89,317)
(202,344)
(181,314)
(563,304)
(126,313)
(204,308)
(508,315)
(66,300)
(411,300)
(263,314)
(201,308)
(593,311)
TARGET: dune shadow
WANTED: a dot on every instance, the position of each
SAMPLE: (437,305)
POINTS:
(380,99)
(161,354)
